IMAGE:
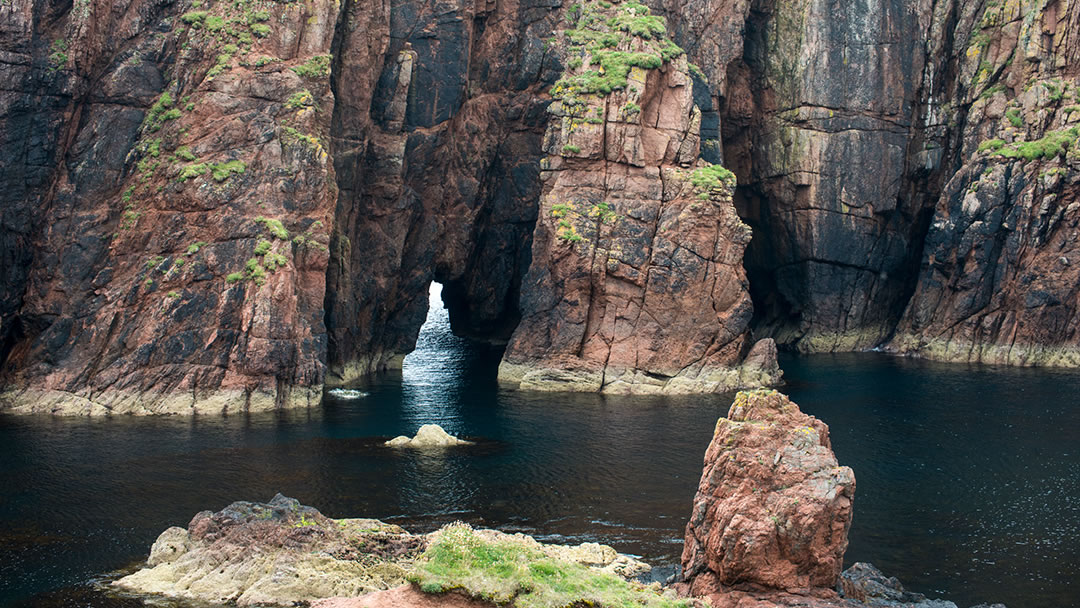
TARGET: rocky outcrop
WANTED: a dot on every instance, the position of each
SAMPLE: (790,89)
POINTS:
(278,552)
(636,283)
(284,553)
(428,436)
(773,507)
(170,242)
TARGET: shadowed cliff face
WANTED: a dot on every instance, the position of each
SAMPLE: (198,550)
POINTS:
(440,128)
(845,123)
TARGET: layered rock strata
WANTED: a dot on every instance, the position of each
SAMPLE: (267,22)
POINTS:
(999,280)
(636,283)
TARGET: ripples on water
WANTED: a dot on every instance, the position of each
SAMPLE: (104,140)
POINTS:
(967,476)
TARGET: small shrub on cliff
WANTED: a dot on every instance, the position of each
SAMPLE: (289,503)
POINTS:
(260,29)
(1048,147)
(214,23)
(502,571)
(262,248)
(161,112)
(185,153)
(222,171)
(58,56)
(316,67)
(571,149)
(192,171)
(1015,119)
(635,19)
(300,99)
(194,18)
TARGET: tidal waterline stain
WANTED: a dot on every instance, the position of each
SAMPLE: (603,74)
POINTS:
(967,476)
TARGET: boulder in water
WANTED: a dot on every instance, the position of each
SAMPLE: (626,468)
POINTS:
(429,436)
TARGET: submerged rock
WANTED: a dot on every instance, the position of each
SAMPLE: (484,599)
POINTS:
(429,436)
(865,583)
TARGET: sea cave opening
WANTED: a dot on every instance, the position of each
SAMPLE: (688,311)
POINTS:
(443,363)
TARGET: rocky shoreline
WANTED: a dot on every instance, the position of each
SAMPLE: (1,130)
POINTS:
(768,529)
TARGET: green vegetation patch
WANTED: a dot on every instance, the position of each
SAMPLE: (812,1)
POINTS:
(58,54)
(222,171)
(504,571)
(713,177)
(161,112)
(1015,119)
(594,44)
(1048,147)
(274,227)
(316,67)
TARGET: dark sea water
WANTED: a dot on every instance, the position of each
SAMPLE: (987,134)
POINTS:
(968,477)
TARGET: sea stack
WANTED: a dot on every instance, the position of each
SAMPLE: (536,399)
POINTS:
(773,508)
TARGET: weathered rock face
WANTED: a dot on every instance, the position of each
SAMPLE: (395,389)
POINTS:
(846,126)
(636,283)
(441,117)
(160,163)
(998,281)
(773,508)
(225,207)
(812,104)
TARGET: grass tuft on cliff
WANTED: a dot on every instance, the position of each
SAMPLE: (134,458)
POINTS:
(507,572)
(713,177)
